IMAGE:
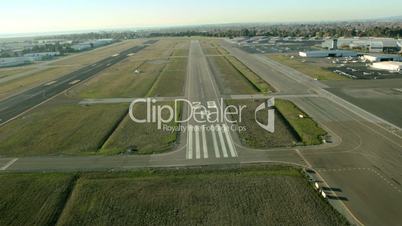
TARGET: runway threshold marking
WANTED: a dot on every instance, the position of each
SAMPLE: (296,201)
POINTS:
(8,164)
(197,142)
(229,141)
(198,138)
(216,149)
(190,142)
(204,142)
(221,139)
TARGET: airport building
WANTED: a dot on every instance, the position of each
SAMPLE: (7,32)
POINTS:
(381,58)
(373,45)
(388,66)
(102,42)
(81,46)
(41,56)
(328,53)
(91,44)
(14,61)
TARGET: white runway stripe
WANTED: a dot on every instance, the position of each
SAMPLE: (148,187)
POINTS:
(190,142)
(197,142)
(222,141)
(216,149)
(204,142)
(229,141)
(8,164)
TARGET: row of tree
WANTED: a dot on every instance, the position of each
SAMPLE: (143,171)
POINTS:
(296,30)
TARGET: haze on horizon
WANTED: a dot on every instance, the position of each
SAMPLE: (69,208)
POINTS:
(24,16)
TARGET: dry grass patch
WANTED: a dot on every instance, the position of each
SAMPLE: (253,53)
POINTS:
(121,80)
(140,138)
(33,199)
(60,129)
(252,77)
(230,80)
(172,79)
(246,196)
(257,137)
(5,72)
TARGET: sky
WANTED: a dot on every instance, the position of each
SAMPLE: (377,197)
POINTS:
(30,16)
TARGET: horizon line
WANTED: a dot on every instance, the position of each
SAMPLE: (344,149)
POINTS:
(144,28)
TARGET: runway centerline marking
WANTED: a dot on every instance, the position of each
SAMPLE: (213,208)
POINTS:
(74,82)
(50,83)
(229,140)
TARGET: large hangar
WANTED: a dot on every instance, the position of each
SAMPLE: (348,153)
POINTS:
(329,53)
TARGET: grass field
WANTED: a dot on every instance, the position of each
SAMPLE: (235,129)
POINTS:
(222,51)
(60,129)
(253,78)
(181,52)
(162,49)
(212,47)
(312,70)
(5,72)
(154,65)
(246,196)
(121,80)
(33,199)
(232,75)
(171,81)
(141,138)
(255,136)
(211,51)
(215,43)
(205,43)
(230,80)
(307,129)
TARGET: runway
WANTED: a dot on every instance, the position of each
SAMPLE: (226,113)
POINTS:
(17,104)
(205,141)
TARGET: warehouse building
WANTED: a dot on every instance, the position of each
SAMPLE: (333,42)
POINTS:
(91,44)
(14,61)
(373,45)
(81,46)
(381,58)
(328,53)
(42,55)
(388,66)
